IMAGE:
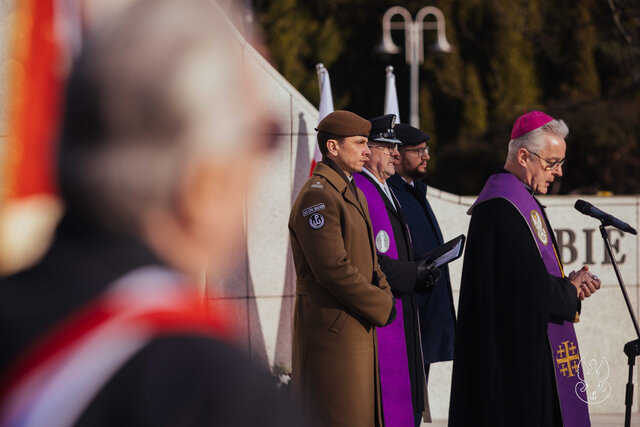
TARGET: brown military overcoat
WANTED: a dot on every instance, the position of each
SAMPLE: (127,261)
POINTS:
(339,302)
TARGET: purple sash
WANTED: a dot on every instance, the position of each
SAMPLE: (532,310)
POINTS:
(562,337)
(395,384)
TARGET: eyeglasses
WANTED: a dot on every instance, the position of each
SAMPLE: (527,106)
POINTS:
(551,165)
(385,148)
(419,151)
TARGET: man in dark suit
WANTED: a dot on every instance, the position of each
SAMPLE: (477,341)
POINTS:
(437,317)
(401,367)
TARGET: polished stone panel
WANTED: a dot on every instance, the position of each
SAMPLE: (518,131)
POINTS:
(268,239)
(270,330)
(271,88)
(236,313)
(604,327)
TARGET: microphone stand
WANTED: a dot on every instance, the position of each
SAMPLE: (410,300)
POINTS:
(632,348)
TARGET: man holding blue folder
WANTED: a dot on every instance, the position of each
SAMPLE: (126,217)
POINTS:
(436,312)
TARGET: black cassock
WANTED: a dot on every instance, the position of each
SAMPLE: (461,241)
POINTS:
(503,374)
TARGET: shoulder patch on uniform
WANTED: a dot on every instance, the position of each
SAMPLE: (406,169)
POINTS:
(313,209)
(317,184)
(316,221)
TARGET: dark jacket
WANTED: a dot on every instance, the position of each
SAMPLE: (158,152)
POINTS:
(437,316)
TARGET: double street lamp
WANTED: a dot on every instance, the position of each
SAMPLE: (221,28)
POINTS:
(414,43)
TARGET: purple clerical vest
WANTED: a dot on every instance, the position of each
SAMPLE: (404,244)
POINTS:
(562,336)
(392,347)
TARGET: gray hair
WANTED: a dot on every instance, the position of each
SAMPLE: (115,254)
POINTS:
(534,140)
(157,86)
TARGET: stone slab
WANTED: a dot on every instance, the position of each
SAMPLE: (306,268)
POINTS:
(604,327)
(235,310)
(304,117)
(581,243)
(268,213)
(235,282)
(270,330)
(301,155)
(440,383)
(270,88)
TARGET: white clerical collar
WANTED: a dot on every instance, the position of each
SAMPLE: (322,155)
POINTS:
(383,185)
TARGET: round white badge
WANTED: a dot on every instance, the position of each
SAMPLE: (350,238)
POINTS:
(382,241)
(541,230)
(316,221)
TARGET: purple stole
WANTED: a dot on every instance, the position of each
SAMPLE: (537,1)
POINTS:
(395,384)
(562,336)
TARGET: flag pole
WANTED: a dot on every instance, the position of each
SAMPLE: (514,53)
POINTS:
(324,108)
(391,95)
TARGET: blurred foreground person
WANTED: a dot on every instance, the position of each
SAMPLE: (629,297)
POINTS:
(516,359)
(159,141)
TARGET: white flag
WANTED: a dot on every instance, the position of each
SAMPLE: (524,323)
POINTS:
(391,95)
(325,107)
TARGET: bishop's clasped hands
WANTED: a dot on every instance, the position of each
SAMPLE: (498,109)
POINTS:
(586,283)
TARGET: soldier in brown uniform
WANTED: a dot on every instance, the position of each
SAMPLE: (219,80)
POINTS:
(341,293)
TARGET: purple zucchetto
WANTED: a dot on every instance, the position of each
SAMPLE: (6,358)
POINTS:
(528,122)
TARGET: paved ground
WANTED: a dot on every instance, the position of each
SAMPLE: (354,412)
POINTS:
(616,420)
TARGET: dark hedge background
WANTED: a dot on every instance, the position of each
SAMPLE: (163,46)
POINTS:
(578,60)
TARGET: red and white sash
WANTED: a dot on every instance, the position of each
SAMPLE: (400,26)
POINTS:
(56,379)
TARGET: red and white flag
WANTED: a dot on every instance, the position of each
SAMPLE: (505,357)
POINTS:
(391,95)
(46,36)
(325,107)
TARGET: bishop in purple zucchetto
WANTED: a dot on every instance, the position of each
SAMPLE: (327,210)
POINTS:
(528,122)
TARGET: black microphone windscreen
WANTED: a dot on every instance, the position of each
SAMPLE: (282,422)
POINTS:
(582,206)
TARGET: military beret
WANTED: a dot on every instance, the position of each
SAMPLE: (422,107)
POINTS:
(344,123)
(528,122)
(409,135)
(382,129)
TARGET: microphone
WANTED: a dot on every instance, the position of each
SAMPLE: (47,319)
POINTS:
(587,208)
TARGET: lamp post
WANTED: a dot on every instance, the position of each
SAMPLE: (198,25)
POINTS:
(414,43)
